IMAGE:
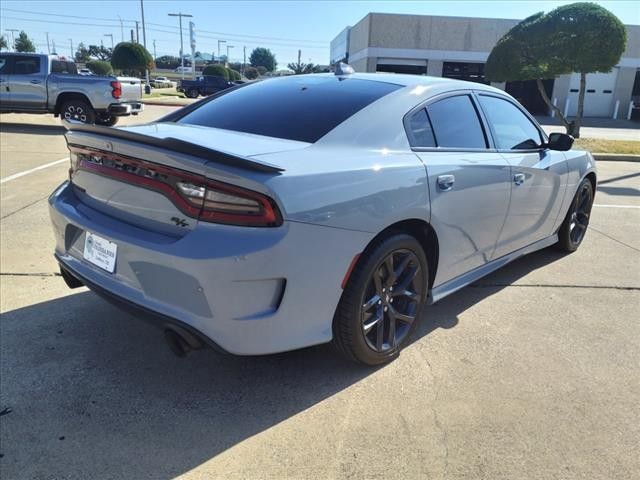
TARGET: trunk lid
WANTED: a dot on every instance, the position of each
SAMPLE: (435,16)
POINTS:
(131,89)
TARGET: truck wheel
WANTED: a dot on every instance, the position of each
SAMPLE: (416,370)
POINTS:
(78,110)
(192,93)
(106,120)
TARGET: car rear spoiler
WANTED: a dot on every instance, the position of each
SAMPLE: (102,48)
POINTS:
(174,145)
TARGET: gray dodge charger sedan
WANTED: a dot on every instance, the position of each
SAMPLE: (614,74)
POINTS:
(315,208)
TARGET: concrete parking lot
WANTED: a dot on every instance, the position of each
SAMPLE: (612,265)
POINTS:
(530,373)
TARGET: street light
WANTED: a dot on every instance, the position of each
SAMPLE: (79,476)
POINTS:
(180,15)
(13,40)
(121,29)
(219,42)
(71,45)
(228,47)
(110,35)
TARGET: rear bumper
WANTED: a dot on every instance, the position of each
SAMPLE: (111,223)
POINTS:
(249,291)
(123,109)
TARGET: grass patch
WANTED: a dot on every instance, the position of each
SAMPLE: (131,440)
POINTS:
(597,145)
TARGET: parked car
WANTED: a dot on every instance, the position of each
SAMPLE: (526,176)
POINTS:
(315,208)
(33,83)
(205,85)
(182,70)
(85,71)
(161,82)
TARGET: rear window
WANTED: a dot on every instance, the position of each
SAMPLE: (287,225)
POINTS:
(59,66)
(294,108)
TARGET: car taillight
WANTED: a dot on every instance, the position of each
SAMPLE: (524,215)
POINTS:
(223,203)
(197,197)
(116,89)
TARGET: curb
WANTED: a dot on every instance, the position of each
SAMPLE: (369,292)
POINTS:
(616,157)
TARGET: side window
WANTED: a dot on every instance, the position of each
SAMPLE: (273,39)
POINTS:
(4,64)
(420,130)
(456,124)
(512,129)
(26,65)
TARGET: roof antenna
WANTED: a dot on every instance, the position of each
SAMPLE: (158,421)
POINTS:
(344,69)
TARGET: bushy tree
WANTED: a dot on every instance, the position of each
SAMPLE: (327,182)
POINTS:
(580,37)
(301,68)
(261,70)
(263,57)
(82,54)
(167,61)
(251,73)
(100,67)
(217,70)
(100,52)
(3,42)
(23,43)
(233,74)
(131,58)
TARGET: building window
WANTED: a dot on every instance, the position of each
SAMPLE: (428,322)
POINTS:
(470,72)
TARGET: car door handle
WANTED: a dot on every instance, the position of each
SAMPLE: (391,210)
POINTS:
(518,178)
(445,182)
(35,81)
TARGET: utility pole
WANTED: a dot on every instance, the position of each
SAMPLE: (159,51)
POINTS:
(244,59)
(121,29)
(53,46)
(71,46)
(13,40)
(132,37)
(219,42)
(137,31)
(154,49)
(180,15)
(48,47)
(192,43)
(147,87)
(110,35)
(228,47)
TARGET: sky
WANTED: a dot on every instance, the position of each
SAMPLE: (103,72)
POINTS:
(282,26)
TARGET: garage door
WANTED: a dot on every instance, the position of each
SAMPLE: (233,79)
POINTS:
(598,99)
(402,65)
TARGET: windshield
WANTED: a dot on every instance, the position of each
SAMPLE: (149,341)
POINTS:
(303,108)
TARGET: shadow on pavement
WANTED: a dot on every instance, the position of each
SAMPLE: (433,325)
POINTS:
(32,129)
(95,393)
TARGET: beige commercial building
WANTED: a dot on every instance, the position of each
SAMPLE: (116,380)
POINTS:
(458,47)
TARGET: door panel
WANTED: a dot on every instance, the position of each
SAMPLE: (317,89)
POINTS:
(469,215)
(27,83)
(537,188)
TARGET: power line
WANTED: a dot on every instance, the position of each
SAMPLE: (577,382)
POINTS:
(65,16)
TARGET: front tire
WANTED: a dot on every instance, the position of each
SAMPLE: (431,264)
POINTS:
(192,93)
(574,226)
(78,110)
(382,300)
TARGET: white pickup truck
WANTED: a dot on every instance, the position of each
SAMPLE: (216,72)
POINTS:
(34,83)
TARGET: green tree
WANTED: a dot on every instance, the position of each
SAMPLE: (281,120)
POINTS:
(167,61)
(261,70)
(217,70)
(82,54)
(23,43)
(3,43)
(302,68)
(131,58)
(100,67)
(580,37)
(251,73)
(263,57)
(233,74)
(100,52)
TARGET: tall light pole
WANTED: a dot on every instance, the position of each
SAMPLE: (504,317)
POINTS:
(228,47)
(121,29)
(13,40)
(154,49)
(219,42)
(244,59)
(180,15)
(147,87)
(71,46)
(110,35)
(48,47)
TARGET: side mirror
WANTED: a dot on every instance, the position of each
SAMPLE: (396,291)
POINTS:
(560,141)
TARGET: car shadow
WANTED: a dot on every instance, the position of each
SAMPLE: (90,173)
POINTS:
(93,390)
(32,129)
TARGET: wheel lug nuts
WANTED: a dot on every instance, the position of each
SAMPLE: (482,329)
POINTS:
(384,290)
(379,302)
(386,308)
(391,300)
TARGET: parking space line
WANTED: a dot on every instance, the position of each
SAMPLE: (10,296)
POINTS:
(615,206)
(35,169)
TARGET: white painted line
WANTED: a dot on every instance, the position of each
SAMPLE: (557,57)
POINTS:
(27,172)
(615,206)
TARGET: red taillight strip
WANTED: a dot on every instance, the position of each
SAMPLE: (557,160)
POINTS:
(270,215)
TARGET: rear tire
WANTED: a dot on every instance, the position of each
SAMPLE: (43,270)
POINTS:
(574,226)
(192,93)
(382,301)
(106,120)
(78,110)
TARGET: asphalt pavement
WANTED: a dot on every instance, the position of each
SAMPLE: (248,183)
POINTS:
(532,372)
